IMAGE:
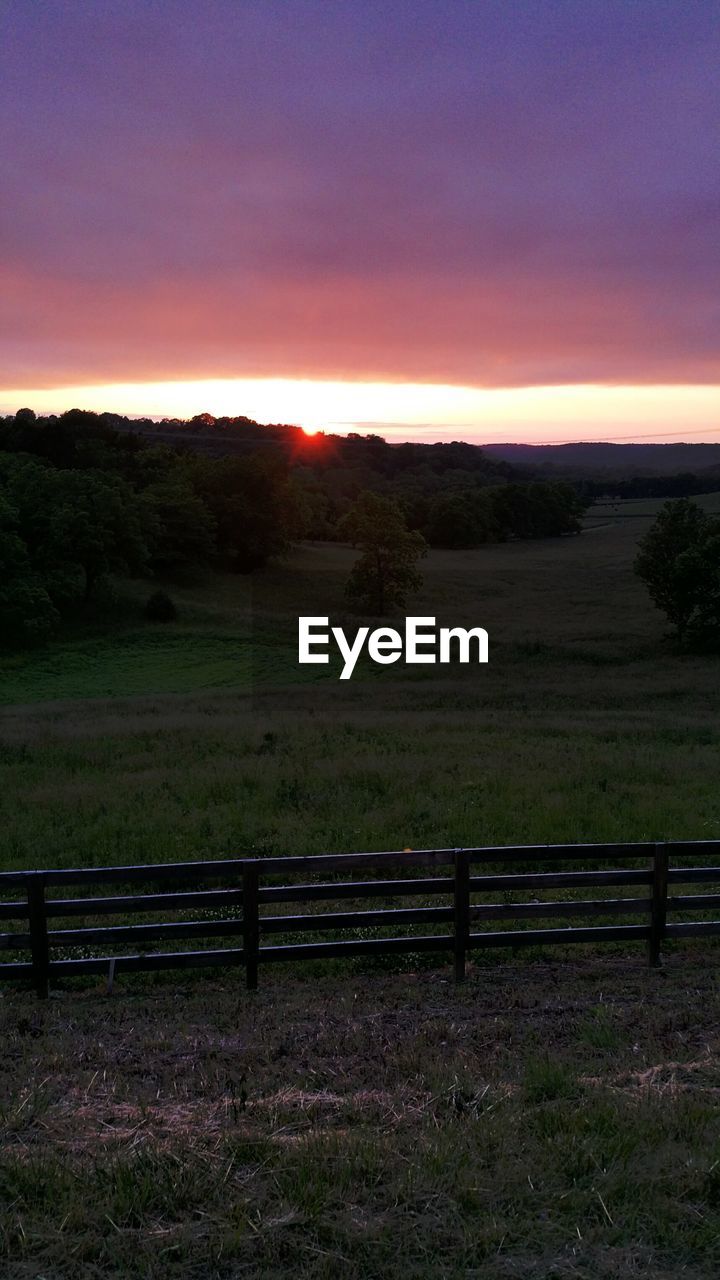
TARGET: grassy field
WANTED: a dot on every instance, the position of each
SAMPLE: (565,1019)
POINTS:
(238,633)
(555,1117)
(585,725)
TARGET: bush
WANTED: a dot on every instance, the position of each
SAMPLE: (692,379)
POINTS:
(160,607)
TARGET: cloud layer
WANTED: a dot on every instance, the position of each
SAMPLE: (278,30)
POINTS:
(493,194)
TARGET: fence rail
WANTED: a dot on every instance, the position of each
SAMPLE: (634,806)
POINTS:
(249,886)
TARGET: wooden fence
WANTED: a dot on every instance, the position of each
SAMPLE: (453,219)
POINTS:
(467,892)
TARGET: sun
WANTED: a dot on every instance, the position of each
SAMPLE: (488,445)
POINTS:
(310,431)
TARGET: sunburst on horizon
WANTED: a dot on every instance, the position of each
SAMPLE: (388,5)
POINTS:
(407,411)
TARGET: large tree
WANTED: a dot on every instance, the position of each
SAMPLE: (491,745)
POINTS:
(386,571)
(679,562)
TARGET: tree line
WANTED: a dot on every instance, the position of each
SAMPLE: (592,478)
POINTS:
(82,499)
(685,484)
(89,502)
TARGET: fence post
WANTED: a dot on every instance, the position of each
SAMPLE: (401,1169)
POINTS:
(38,933)
(659,904)
(462,911)
(251,925)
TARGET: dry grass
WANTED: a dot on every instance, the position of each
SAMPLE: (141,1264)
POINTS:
(548,1118)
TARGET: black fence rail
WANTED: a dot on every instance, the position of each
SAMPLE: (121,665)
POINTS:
(246,905)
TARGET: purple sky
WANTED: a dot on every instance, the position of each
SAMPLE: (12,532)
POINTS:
(490,194)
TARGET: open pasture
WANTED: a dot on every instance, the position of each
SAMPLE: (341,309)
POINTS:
(585,725)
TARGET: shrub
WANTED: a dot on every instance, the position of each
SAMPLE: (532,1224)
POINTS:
(160,607)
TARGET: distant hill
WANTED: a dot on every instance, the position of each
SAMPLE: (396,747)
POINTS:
(603,459)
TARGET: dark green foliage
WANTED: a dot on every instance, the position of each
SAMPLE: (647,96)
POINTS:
(76,439)
(27,614)
(460,516)
(679,562)
(683,485)
(542,509)
(93,495)
(178,527)
(317,509)
(160,607)
(81,499)
(61,532)
(74,524)
(386,572)
(255,511)
(464,519)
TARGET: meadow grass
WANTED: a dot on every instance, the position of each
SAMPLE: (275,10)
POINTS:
(555,1117)
(585,725)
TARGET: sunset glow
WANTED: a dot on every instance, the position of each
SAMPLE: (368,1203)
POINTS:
(410,411)
(496,221)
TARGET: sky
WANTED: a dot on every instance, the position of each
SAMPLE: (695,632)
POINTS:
(477,219)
